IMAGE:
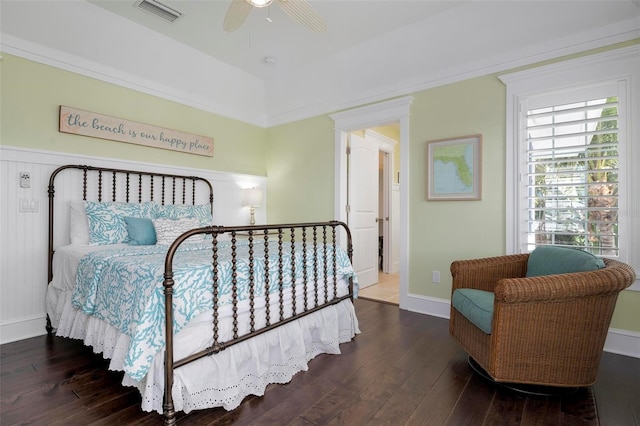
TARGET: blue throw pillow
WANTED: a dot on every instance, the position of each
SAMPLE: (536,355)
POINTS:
(141,231)
(549,260)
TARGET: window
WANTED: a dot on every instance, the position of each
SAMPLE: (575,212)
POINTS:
(571,147)
(571,183)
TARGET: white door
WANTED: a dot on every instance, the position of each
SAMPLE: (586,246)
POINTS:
(363,203)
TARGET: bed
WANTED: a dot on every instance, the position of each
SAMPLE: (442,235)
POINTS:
(195,315)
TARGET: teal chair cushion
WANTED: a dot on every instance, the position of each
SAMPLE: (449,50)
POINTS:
(476,306)
(549,260)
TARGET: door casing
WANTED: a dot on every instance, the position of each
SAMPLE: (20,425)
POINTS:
(380,114)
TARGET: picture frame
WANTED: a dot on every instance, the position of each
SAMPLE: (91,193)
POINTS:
(454,169)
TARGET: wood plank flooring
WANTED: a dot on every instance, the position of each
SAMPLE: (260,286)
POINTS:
(403,369)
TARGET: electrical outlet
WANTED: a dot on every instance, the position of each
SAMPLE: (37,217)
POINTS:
(25,180)
(28,205)
(435,276)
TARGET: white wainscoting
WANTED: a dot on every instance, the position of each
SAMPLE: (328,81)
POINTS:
(24,235)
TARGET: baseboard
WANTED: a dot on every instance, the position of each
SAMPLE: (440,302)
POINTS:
(621,342)
(22,328)
(426,305)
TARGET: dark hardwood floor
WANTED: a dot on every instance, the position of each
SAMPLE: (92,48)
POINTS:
(404,369)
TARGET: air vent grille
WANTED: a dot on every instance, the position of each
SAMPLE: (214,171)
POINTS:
(158,9)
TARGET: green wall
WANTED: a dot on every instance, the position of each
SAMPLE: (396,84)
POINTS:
(442,231)
(439,232)
(298,158)
(627,316)
(300,167)
(32,94)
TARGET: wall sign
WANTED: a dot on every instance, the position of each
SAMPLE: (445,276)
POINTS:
(87,123)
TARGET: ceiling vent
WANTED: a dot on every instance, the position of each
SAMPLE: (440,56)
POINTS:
(158,9)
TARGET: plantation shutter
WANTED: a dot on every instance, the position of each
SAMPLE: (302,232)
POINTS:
(571,183)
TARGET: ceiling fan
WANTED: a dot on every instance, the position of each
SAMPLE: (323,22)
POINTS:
(300,10)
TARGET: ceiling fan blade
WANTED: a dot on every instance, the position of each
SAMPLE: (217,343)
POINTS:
(304,13)
(236,15)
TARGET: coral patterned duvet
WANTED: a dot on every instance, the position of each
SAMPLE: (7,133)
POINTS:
(124,286)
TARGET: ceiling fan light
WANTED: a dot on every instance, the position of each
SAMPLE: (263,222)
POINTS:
(260,3)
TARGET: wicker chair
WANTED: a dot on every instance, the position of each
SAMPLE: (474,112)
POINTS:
(546,330)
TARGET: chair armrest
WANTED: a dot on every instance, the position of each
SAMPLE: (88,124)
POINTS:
(483,274)
(615,277)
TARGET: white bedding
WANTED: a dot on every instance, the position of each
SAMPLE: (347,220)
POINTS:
(224,379)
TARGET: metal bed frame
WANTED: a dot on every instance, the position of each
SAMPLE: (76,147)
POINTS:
(184,189)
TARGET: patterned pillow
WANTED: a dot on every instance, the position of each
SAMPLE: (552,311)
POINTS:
(182,211)
(167,230)
(106,220)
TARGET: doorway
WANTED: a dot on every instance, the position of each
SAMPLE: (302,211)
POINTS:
(396,112)
(371,213)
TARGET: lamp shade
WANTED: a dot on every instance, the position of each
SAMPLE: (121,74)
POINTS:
(252,197)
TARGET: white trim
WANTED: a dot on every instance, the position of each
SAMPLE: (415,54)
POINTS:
(426,305)
(238,94)
(386,145)
(375,115)
(392,111)
(635,286)
(23,280)
(222,201)
(562,74)
(22,328)
(621,65)
(207,98)
(622,342)
(58,158)
(594,39)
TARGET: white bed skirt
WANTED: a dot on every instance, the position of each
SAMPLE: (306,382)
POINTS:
(223,379)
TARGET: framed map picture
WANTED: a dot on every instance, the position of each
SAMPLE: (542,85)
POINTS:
(454,168)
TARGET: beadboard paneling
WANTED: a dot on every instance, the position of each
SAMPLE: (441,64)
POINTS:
(23,242)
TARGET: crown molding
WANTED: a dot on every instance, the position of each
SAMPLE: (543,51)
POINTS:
(421,80)
(71,35)
(377,114)
(213,86)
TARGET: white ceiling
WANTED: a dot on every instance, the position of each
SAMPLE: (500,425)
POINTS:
(372,50)
(348,24)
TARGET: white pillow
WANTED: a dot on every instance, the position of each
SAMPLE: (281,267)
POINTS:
(167,230)
(78,223)
(181,211)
